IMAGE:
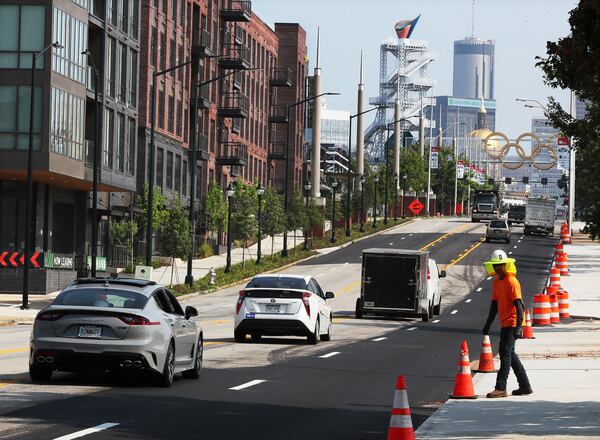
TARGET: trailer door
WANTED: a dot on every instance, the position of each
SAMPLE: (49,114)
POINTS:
(390,281)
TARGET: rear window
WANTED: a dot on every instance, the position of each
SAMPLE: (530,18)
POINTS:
(101,298)
(277,283)
(498,224)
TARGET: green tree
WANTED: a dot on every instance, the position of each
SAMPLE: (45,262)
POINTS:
(160,212)
(215,206)
(122,233)
(296,213)
(415,168)
(175,234)
(272,218)
(573,63)
(314,216)
(243,215)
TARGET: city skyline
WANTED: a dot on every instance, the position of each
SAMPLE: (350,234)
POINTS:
(516,75)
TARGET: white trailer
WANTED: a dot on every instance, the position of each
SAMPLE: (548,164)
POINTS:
(540,215)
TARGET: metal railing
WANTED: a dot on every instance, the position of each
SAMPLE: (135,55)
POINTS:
(234,101)
(232,151)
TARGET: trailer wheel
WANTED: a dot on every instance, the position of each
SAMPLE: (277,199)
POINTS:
(358,313)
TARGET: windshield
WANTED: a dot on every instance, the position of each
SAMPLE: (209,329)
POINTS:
(485,198)
(101,298)
(497,224)
(277,283)
(517,208)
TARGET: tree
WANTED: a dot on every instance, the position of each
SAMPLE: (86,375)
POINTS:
(314,216)
(215,207)
(415,168)
(122,233)
(243,215)
(175,233)
(573,63)
(296,213)
(272,218)
(160,212)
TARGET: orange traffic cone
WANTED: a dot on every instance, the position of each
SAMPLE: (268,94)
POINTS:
(401,427)
(528,329)
(463,386)
(558,249)
(486,359)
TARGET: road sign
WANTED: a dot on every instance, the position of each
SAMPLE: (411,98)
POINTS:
(435,154)
(563,140)
(460,169)
(416,207)
(11,259)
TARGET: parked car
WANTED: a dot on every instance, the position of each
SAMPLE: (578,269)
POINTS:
(399,282)
(498,230)
(283,305)
(122,325)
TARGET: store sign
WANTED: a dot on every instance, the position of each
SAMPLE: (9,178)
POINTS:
(100,263)
(460,169)
(435,158)
(59,261)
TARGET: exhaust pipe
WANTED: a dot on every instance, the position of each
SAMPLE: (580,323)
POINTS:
(127,363)
(41,359)
(137,364)
(49,359)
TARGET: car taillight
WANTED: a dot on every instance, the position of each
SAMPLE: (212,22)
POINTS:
(428,274)
(49,316)
(136,320)
(305,297)
(240,300)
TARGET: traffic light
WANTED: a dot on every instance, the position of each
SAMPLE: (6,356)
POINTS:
(508,180)
(544,181)
(525,180)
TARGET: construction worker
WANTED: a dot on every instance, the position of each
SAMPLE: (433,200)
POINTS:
(507,302)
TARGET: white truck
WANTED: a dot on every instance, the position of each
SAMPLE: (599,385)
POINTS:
(540,214)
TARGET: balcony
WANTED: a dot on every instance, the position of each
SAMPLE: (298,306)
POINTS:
(235,57)
(201,44)
(232,154)
(278,114)
(233,105)
(277,150)
(281,77)
(236,10)
(203,96)
(202,153)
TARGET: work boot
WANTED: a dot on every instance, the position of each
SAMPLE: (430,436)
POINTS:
(497,393)
(522,391)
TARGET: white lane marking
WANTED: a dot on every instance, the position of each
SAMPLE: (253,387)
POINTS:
(454,312)
(328,355)
(436,321)
(468,301)
(510,253)
(479,289)
(403,238)
(346,263)
(488,278)
(410,235)
(379,339)
(411,329)
(391,244)
(466,250)
(247,384)
(88,431)
(519,241)
(514,247)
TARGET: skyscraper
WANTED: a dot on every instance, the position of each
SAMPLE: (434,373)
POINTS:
(473,68)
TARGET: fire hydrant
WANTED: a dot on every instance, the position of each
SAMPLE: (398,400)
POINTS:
(213,276)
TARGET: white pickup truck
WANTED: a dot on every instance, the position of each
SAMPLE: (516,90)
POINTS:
(540,215)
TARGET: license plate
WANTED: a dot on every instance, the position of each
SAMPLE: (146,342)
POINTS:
(90,331)
(272,308)
(497,231)
(369,304)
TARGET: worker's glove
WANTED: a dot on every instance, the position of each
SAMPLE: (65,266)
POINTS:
(518,332)
(486,329)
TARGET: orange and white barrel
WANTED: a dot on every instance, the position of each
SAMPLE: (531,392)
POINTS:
(563,304)
(558,249)
(541,310)
(554,313)
(555,277)
(562,263)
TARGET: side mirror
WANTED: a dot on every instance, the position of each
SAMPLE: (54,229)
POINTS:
(329,295)
(190,312)
(443,274)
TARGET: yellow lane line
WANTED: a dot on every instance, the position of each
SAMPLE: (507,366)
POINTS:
(348,288)
(452,263)
(14,350)
(447,234)
(213,343)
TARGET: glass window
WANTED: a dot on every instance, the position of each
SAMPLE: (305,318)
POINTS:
(177,186)
(122,73)
(164,7)
(132,81)
(113,10)
(277,283)
(174,6)
(14,117)
(171,127)
(21,30)
(111,72)
(67,124)
(161,109)
(163,50)
(131,137)
(124,24)
(169,169)
(184,178)
(135,11)
(120,142)
(179,121)
(107,157)
(160,161)
(94,297)
(72,34)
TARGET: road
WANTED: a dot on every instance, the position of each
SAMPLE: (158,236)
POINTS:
(284,388)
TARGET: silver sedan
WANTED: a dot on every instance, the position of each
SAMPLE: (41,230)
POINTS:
(121,325)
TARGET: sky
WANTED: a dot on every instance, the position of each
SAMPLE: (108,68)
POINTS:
(520,29)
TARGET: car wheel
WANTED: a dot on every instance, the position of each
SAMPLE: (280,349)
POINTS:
(239,336)
(255,337)
(487,240)
(194,373)
(508,240)
(327,336)
(438,308)
(166,377)
(425,315)
(39,373)
(358,312)
(313,338)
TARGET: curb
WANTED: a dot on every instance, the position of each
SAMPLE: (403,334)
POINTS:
(279,269)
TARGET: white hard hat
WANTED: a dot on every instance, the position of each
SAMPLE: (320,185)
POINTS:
(500,257)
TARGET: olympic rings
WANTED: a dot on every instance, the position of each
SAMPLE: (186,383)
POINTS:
(501,153)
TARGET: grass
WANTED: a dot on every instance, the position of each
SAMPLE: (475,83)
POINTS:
(239,273)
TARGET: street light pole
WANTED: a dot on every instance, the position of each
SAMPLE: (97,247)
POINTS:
(284,252)
(404,178)
(307,188)
(230,193)
(260,191)
(334,185)
(395,196)
(362,203)
(376,181)
(29,188)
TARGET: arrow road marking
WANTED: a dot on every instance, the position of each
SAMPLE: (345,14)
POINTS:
(328,355)
(88,431)
(247,384)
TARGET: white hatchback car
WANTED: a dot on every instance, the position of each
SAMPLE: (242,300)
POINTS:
(283,305)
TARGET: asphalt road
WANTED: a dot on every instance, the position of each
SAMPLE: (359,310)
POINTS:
(346,394)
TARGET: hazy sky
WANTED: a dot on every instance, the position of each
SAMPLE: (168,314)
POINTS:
(520,29)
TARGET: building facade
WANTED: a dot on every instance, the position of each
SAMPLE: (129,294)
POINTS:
(474,67)
(457,117)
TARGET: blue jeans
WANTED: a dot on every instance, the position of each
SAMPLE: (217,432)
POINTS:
(508,359)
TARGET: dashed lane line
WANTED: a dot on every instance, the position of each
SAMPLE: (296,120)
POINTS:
(514,247)
(379,339)
(403,238)
(468,301)
(410,329)
(479,289)
(247,385)
(436,321)
(328,355)
(510,253)
(88,431)
(454,312)
(489,278)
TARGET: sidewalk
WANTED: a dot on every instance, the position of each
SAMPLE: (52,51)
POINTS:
(563,364)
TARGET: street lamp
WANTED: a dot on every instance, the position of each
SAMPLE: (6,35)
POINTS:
(349,172)
(385,202)
(404,178)
(230,193)
(362,203)
(95,164)
(307,188)
(376,180)
(29,190)
(395,196)
(334,185)
(260,191)
(284,252)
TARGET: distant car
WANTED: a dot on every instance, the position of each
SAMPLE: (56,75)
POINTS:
(516,214)
(283,305)
(122,325)
(498,230)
